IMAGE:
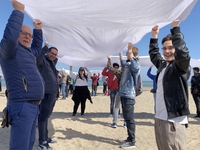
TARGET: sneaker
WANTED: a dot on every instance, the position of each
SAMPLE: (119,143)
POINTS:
(119,116)
(50,141)
(124,125)
(44,146)
(127,145)
(114,125)
(110,115)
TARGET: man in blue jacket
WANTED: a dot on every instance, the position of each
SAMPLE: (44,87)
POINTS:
(130,72)
(46,62)
(24,83)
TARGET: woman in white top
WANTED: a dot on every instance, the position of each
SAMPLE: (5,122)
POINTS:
(81,92)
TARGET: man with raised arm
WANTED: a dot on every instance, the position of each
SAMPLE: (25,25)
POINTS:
(172,89)
(25,86)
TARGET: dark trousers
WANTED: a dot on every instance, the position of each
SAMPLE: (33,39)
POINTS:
(197,103)
(23,125)
(46,108)
(104,88)
(80,96)
(94,90)
(113,93)
(128,112)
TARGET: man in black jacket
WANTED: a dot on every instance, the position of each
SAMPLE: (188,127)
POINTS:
(46,62)
(195,89)
(172,89)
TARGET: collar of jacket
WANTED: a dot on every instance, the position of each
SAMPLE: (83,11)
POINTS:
(27,48)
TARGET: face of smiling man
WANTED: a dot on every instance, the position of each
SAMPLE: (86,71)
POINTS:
(168,51)
(25,37)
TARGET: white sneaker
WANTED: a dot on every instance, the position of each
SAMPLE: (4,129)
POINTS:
(110,115)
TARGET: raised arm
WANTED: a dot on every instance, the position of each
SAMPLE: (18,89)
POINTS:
(151,76)
(89,74)
(71,73)
(39,58)
(8,45)
(182,57)
(37,38)
(115,71)
(154,54)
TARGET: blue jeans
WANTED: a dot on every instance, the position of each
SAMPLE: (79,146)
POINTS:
(46,108)
(113,92)
(63,88)
(128,112)
(23,125)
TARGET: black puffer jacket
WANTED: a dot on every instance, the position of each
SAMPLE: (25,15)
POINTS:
(175,88)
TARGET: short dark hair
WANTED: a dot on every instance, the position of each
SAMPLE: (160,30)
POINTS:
(52,48)
(115,64)
(167,38)
(196,68)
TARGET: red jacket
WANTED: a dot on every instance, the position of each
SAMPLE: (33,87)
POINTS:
(112,80)
(95,79)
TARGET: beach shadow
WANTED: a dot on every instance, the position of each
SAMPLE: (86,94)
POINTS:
(70,134)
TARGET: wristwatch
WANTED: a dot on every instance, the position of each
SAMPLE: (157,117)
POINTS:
(130,52)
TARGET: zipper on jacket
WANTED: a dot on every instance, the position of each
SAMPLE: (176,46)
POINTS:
(24,83)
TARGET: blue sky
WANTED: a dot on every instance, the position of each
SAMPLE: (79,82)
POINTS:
(189,27)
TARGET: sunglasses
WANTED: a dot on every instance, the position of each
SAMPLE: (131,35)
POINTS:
(169,48)
(26,33)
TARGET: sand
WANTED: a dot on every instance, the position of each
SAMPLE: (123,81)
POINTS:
(93,131)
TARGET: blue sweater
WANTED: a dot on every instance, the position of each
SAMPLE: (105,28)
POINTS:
(18,63)
(153,77)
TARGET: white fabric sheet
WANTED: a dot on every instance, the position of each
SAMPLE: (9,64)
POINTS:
(85,31)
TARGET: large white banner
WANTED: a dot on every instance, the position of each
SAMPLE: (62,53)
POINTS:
(86,31)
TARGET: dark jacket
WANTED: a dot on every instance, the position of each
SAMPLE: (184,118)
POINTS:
(18,63)
(48,71)
(177,73)
(195,84)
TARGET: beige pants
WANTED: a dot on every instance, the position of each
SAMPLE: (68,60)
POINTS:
(169,135)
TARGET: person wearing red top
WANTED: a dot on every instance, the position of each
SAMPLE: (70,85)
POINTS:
(112,85)
(94,83)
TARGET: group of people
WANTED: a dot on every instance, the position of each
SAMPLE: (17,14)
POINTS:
(32,85)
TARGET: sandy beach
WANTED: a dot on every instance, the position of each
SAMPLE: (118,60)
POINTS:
(93,131)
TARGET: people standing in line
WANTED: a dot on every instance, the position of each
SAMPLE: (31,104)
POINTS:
(63,80)
(195,90)
(46,63)
(94,83)
(112,85)
(130,72)
(25,86)
(117,103)
(153,77)
(81,92)
(172,88)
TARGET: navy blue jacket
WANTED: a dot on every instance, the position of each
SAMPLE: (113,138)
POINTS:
(48,71)
(18,63)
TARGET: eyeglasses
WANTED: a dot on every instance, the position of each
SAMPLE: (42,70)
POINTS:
(53,54)
(169,48)
(26,33)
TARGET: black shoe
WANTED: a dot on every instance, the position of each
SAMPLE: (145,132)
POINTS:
(44,146)
(73,114)
(50,141)
(197,116)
